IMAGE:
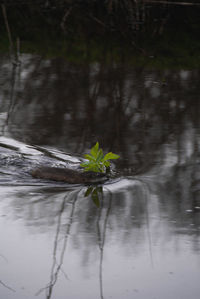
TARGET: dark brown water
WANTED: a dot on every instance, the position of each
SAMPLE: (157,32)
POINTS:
(142,238)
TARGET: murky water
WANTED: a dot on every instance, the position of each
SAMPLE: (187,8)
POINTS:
(141,238)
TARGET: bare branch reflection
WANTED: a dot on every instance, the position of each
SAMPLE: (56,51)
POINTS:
(102,220)
(7,286)
(71,199)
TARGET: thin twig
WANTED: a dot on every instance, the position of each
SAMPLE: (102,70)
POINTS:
(172,3)
(18,50)
(97,20)
(7,25)
(12,51)
(67,13)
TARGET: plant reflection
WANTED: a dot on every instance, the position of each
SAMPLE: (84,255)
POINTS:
(133,213)
(58,258)
(101,233)
(96,194)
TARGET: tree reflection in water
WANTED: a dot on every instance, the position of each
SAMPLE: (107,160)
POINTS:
(58,258)
(130,214)
(127,109)
(63,215)
(101,233)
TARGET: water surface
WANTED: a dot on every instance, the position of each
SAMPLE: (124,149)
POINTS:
(141,238)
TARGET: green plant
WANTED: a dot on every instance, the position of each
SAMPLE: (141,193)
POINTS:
(96,161)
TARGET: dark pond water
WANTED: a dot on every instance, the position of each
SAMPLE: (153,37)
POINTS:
(142,238)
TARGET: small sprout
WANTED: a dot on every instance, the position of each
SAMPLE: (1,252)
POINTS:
(96,161)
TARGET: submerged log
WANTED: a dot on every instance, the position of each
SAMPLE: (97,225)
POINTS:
(68,175)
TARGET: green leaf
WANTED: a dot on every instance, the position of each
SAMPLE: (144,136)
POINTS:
(110,156)
(96,161)
(91,166)
(84,164)
(106,163)
(94,150)
(89,157)
(99,155)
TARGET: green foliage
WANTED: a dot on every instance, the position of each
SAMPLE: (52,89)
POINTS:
(96,161)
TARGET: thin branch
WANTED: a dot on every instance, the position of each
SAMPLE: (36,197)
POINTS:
(97,20)
(67,13)
(172,3)
(7,26)
(12,50)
